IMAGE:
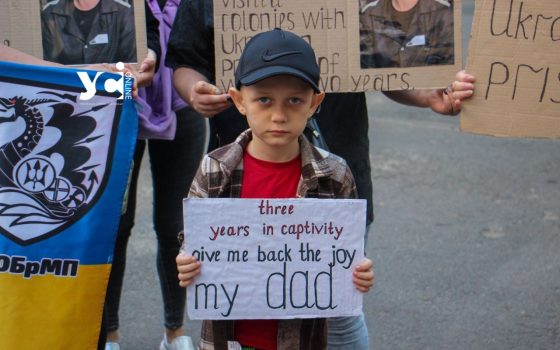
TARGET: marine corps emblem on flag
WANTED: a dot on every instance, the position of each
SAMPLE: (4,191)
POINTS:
(54,158)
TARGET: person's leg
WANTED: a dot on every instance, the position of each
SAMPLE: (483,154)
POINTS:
(348,333)
(174,164)
(102,331)
(114,286)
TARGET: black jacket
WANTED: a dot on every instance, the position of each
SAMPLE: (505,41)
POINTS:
(111,39)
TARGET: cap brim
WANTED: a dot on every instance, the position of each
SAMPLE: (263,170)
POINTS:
(258,75)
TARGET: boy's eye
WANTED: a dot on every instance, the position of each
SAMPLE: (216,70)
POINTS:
(263,99)
(294,100)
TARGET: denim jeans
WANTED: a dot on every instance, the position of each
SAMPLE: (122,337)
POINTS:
(173,165)
(347,333)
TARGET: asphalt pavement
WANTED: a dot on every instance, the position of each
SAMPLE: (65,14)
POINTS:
(465,241)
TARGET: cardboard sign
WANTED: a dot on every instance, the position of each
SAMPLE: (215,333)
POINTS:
(274,258)
(21,28)
(514,54)
(349,38)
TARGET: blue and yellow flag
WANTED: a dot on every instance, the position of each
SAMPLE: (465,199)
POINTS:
(66,143)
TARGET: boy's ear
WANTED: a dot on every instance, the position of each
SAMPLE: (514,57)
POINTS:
(237,98)
(316,102)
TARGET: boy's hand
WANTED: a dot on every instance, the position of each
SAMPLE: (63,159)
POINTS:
(188,268)
(363,276)
(207,99)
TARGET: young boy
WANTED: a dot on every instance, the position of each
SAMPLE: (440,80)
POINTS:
(277,90)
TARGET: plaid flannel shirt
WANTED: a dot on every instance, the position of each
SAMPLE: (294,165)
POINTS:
(323,175)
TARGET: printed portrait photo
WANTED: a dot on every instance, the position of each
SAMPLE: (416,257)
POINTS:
(88,31)
(406,33)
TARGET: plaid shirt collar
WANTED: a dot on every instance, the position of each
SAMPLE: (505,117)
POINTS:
(314,163)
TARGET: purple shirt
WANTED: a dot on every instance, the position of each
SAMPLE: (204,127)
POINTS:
(158,102)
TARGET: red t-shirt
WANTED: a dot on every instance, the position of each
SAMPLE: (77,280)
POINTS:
(262,179)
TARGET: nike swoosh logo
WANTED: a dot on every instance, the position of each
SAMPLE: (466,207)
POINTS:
(267,57)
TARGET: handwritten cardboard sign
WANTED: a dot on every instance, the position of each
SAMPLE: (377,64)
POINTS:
(20,26)
(274,258)
(332,27)
(514,54)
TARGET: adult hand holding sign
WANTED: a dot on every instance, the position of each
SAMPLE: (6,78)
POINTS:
(446,101)
(204,97)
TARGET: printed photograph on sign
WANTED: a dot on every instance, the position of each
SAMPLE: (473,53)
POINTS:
(410,33)
(74,32)
(92,31)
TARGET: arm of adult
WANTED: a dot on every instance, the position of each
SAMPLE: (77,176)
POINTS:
(12,55)
(444,101)
(190,53)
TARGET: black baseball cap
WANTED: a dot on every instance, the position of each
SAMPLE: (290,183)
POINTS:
(277,52)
